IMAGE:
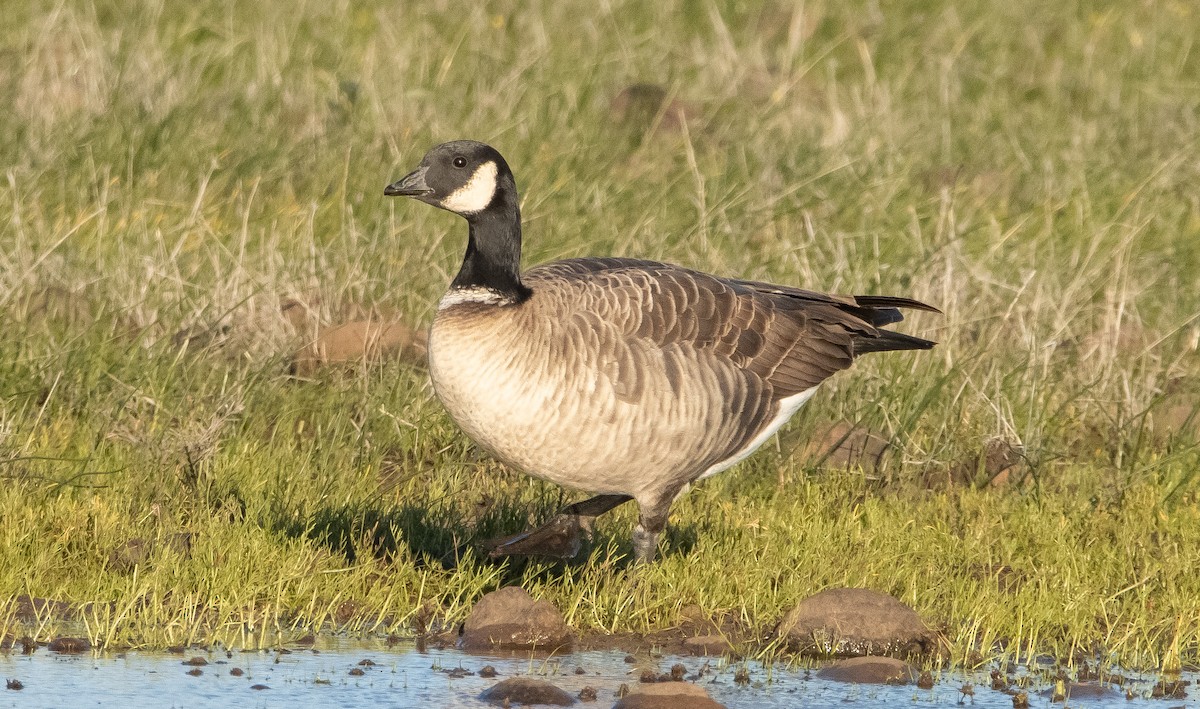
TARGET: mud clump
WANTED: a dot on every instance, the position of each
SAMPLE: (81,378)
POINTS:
(510,619)
(667,695)
(69,646)
(1170,689)
(523,690)
(195,662)
(848,622)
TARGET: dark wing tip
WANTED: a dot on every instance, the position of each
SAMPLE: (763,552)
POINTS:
(891,301)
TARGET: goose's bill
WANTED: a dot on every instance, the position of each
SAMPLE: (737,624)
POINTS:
(411,185)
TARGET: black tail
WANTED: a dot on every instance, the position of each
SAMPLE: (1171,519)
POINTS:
(888,341)
(880,310)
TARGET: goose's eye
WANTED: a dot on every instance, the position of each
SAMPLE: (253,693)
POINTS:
(460,161)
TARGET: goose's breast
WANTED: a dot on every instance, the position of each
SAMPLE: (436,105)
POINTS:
(567,403)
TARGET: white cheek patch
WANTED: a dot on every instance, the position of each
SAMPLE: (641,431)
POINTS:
(477,194)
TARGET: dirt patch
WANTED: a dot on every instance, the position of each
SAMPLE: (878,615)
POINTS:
(524,690)
(510,619)
(855,621)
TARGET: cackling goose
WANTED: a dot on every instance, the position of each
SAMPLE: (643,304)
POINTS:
(627,378)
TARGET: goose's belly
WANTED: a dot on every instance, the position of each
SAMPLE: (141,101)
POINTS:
(559,418)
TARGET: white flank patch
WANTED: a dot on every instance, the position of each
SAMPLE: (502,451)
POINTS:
(457,296)
(787,408)
(477,194)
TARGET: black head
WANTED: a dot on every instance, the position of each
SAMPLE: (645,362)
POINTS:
(463,176)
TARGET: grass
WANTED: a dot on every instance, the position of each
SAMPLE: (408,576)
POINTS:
(174,170)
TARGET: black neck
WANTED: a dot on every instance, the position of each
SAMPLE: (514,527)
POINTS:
(493,259)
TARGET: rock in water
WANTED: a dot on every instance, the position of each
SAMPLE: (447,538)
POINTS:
(855,621)
(523,690)
(869,670)
(510,619)
(668,695)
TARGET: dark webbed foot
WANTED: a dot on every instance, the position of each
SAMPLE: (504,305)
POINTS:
(563,536)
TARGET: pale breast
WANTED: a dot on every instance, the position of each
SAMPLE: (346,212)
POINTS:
(558,394)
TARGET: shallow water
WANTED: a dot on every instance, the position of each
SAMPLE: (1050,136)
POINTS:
(402,676)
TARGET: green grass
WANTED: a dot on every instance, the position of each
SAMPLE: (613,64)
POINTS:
(1028,167)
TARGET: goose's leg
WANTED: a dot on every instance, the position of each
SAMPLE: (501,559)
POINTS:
(560,537)
(652,520)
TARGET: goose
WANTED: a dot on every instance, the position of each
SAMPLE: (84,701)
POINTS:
(626,378)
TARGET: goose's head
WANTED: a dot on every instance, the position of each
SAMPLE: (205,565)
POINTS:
(463,176)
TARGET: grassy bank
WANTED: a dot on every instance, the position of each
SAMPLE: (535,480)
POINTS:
(173,172)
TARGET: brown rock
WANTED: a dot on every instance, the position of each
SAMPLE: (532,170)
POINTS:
(360,341)
(869,670)
(855,621)
(509,618)
(707,645)
(667,695)
(524,690)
